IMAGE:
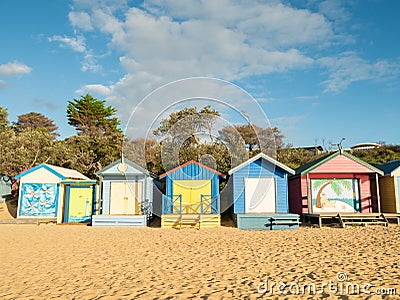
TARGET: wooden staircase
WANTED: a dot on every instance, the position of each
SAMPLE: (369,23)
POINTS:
(198,221)
(362,219)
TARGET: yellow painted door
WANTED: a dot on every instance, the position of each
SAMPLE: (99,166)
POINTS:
(191,191)
(125,198)
(80,204)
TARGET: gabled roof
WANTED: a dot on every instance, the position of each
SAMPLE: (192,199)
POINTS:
(60,172)
(188,163)
(304,169)
(117,162)
(266,158)
(390,168)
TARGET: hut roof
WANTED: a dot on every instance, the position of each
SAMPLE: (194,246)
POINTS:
(390,168)
(266,158)
(109,170)
(188,163)
(304,169)
(63,173)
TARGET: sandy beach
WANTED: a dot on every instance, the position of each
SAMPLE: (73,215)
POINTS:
(81,262)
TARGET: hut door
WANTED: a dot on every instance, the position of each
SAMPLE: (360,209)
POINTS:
(260,195)
(80,204)
(125,198)
(191,191)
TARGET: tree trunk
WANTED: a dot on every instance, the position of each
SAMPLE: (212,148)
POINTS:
(318,203)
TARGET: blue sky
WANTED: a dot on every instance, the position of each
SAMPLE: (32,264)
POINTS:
(318,69)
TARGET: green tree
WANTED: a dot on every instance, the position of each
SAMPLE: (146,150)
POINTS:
(99,139)
(296,157)
(34,120)
(182,134)
(22,150)
(188,135)
(3,118)
(91,117)
(188,125)
(254,138)
(379,155)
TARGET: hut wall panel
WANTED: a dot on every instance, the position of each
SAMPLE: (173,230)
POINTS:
(61,205)
(397,188)
(238,194)
(40,175)
(97,200)
(106,197)
(227,195)
(259,169)
(215,186)
(342,164)
(365,192)
(148,190)
(295,195)
(304,193)
(388,195)
(157,196)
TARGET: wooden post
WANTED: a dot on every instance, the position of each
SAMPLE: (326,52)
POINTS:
(377,192)
(308,193)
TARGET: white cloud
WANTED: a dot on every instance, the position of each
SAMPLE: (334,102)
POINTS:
(3,84)
(348,67)
(14,68)
(89,63)
(162,41)
(168,40)
(335,10)
(80,20)
(76,44)
(95,89)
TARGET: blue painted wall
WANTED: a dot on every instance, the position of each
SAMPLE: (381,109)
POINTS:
(192,172)
(257,169)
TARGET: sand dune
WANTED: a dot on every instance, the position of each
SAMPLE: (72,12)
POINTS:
(78,262)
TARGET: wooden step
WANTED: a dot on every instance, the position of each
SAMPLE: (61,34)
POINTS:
(190,221)
(363,220)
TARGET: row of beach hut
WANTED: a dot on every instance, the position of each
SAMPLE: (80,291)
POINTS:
(260,193)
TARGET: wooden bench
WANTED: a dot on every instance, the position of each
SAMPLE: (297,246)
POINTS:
(119,220)
(285,221)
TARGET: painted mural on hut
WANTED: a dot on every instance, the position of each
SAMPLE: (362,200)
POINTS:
(39,200)
(335,195)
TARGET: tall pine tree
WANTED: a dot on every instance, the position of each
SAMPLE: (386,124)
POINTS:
(99,139)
